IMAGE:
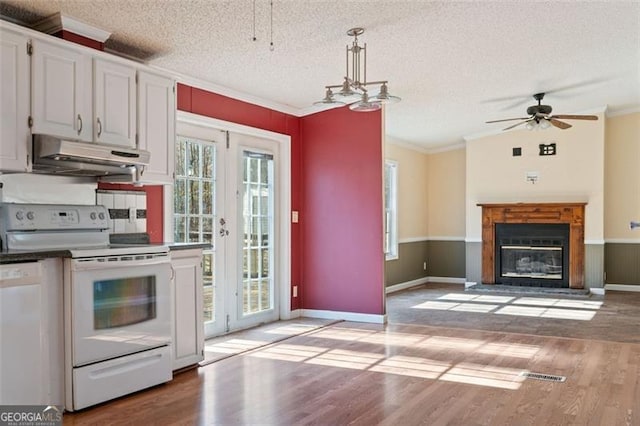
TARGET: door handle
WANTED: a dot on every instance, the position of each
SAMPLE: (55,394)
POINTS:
(79,124)
(99,126)
(223,232)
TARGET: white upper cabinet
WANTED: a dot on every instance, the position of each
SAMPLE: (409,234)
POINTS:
(14,103)
(114,103)
(61,91)
(156,125)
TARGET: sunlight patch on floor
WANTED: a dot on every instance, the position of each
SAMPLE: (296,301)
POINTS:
(578,310)
(233,346)
(483,375)
(412,366)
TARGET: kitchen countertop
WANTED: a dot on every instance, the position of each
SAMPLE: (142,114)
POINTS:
(16,256)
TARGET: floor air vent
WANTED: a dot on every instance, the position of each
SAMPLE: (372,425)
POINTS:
(545,377)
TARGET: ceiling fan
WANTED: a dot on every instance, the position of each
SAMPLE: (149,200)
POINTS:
(540,115)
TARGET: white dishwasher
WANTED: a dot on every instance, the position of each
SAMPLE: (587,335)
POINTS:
(31,339)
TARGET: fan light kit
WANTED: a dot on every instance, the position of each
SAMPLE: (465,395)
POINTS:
(540,117)
(354,86)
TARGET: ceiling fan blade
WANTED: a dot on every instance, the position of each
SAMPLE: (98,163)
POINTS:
(507,119)
(515,125)
(559,124)
(576,117)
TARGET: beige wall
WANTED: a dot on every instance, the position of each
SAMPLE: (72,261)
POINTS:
(622,177)
(412,190)
(576,173)
(446,194)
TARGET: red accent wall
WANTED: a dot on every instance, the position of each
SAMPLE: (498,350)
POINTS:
(155,207)
(342,175)
(78,39)
(202,102)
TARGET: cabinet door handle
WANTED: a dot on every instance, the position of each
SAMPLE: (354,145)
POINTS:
(99,126)
(79,124)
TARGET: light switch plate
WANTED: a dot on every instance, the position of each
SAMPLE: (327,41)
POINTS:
(294,216)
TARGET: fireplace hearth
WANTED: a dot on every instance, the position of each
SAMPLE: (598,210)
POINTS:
(532,254)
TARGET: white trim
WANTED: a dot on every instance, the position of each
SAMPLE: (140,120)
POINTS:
(627,111)
(473,240)
(412,240)
(445,148)
(424,280)
(284,189)
(406,285)
(594,242)
(468,284)
(406,145)
(622,241)
(58,22)
(598,291)
(447,280)
(622,287)
(231,93)
(437,238)
(296,313)
(346,316)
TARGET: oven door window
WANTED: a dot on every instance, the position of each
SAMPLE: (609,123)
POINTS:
(123,301)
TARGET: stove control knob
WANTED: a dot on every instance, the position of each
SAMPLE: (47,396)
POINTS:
(101,215)
(19,215)
(93,215)
(30,215)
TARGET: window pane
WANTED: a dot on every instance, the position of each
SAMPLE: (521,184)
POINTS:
(193,160)
(194,197)
(180,156)
(194,229)
(207,197)
(208,161)
(180,196)
(180,230)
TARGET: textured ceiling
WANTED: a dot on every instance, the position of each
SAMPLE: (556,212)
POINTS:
(455,64)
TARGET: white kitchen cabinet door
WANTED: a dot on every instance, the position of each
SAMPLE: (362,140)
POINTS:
(61,91)
(157,126)
(186,292)
(14,102)
(114,103)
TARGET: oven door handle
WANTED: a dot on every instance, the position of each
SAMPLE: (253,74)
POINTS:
(93,264)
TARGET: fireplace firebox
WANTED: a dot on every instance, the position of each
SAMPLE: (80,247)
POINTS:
(532,254)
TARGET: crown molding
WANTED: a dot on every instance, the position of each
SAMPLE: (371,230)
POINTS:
(406,145)
(445,148)
(627,111)
(228,92)
(59,22)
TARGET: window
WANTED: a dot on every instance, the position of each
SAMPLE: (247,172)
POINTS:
(194,207)
(390,209)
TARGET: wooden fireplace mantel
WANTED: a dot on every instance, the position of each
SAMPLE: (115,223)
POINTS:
(569,213)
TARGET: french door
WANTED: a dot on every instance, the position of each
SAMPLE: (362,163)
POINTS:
(225,193)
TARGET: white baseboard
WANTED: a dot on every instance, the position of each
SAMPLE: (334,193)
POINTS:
(293,314)
(347,316)
(622,287)
(406,285)
(468,284)
(599,291)
(447,280)
(424,280)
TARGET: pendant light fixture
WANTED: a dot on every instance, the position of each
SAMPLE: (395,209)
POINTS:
(355,84)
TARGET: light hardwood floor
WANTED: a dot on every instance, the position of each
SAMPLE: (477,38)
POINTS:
(407,373)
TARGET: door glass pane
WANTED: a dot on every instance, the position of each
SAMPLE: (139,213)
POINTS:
(194,206)
(257,222)
(209,289)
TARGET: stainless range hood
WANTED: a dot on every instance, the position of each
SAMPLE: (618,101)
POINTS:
(53,155)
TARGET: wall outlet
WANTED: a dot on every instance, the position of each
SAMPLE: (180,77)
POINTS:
(295,291)
(294,217)
(424,266)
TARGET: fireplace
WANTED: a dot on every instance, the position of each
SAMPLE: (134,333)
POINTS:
(532,254)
